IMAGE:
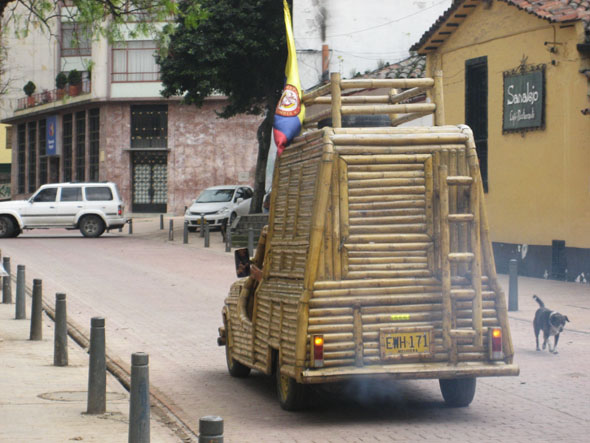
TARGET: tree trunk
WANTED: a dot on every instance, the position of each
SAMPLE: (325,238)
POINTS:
(263,135)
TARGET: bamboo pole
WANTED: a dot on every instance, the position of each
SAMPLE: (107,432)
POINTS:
(384,130)
(311,95)
(317,117)
(380,159)
(464,228)
(408,118)
(358,335)
(388,109)
(445,265)
(407,139)
(407,94)
(398,83)
(336,100)
(474,205)
(389,150)
(316,234)
(429,208)
(453,192)
(439,115)
(336,255)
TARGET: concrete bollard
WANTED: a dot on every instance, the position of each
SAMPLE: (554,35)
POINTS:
(139,402)
(228,241)
(130,226)
(37,311)
(206,235)
(21,308)
(161,222)
(250,241)
(171,231)
(60,342)
(185,233)
(513,285)
(211,429)
(6,283)
(97,374)
(202,226)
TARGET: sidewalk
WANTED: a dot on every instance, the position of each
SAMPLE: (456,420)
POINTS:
(46,403)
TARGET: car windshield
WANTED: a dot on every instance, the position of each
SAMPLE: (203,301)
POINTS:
(215,196)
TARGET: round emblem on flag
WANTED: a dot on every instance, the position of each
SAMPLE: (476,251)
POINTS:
(289,104)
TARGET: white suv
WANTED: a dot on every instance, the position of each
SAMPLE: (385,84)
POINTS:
(218,205)
(90,207)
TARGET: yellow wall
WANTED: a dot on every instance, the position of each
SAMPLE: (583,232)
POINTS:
(539,182)
(5,154)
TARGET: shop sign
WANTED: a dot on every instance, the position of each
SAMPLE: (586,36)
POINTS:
(524,100)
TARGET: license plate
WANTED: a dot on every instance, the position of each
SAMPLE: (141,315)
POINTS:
(394,343)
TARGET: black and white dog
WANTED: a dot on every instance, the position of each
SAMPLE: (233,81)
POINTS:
(550,322)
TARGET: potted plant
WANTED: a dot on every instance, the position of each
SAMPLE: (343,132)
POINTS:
(74,80)
(29,89)
(61,80)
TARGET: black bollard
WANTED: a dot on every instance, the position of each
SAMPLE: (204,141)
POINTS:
(60,342)
(171,231)
(37,311)
(97,374)
(228,241)
(21,308)
(161,221)
(6,283)
(211,429)
(206,235)
(139,402)
(185,233)
(250,241)
(120,228)
(513,285)
(202,226)
(130,226)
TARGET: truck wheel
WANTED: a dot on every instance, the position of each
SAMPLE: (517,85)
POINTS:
(235,368)
(7,228)
(457,392)
(91,226)
(292,395)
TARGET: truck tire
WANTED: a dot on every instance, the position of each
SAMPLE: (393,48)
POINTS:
(235,368)
(7,228)
(292,395)
(91,226)
(457,392)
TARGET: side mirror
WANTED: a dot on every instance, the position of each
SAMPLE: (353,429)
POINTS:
(239,200)
(242,261)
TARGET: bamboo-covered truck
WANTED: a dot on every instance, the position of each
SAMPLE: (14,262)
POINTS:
(377,261)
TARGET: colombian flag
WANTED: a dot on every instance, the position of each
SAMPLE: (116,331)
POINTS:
(290,111)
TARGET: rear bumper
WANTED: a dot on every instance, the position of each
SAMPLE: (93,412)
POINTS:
(410,371)
(114,223)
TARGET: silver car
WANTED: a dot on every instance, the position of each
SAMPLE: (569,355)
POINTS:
(219,205)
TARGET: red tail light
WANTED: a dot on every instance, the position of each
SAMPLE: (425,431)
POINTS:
(120,211)
(495,344)
(317,344)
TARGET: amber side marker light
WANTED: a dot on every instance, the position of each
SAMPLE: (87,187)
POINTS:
(317,342)
(495,344)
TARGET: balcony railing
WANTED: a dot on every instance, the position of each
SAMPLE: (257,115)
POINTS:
(53,95)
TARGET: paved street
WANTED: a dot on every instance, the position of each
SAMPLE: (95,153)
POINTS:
(165,298)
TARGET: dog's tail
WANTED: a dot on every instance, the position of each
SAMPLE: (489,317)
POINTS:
(539,301)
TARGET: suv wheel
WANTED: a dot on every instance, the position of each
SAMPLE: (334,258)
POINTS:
(7,228)
(91,226)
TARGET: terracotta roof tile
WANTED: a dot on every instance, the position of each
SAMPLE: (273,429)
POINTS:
(556,11)
(411,67)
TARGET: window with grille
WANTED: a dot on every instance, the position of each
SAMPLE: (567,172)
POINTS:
(134,61)
(21,143)
(32,157)
(80,146)
(67,147)
(42,152)
(75,41)
(94,143)
(149,126)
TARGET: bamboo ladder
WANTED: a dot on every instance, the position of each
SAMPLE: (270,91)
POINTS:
(449,258)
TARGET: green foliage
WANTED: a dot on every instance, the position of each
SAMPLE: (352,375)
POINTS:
(236,48)
(29,88)
(74,77)
(61,80)
(132,18)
